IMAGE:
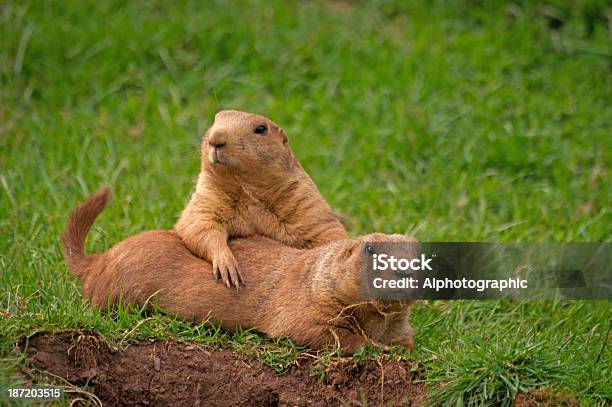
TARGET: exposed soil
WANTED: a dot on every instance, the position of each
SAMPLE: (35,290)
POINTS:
(545,398)
(177,374)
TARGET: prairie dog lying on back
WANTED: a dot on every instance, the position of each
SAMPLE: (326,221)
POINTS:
(313,296)
(250,183)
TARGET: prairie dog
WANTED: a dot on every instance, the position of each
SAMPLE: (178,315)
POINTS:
(251,183)
(313,296)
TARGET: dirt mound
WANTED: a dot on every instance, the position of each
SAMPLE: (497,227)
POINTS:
(545,398)
(178,374)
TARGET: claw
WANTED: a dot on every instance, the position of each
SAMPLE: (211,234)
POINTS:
(226,269)
(236,281)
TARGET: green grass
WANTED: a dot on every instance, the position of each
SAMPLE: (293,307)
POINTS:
(449,122)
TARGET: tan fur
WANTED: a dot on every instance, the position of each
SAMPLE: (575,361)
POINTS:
(313,296)
(252,184)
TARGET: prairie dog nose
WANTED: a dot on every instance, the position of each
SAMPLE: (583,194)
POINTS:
(217,139)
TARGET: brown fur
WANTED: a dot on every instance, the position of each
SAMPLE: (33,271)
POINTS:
(313,296)
(252,184)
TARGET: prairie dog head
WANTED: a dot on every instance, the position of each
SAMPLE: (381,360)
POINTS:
(245,142)
(338,271)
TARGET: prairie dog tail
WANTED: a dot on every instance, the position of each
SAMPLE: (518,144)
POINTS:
(79,223)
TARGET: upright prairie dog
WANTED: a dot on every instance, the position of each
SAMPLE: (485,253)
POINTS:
(251,183)
(313,296)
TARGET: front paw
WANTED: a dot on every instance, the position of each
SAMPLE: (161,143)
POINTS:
(225,267)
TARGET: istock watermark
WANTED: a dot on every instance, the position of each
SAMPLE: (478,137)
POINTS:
(522,271)
(383,261)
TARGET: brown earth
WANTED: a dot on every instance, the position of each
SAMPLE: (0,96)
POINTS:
(545,398)
(178,374)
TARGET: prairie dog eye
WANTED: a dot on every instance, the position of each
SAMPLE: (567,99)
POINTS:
(261,129)
(369,249)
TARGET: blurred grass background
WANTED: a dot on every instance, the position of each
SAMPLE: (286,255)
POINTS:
(448,120)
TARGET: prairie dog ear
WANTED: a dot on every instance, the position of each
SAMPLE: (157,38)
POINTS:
(347,251)
(283,135)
